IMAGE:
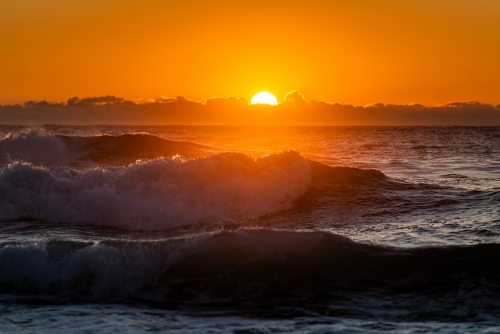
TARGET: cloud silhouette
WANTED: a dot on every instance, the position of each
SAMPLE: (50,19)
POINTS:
(95,100)
(226,102)
(295,110)
(295,97)
(42,104)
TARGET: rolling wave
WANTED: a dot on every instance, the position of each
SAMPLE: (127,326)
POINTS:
(155,194)
(38,147)
(262,269)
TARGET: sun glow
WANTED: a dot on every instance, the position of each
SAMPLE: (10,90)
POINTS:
(264,98)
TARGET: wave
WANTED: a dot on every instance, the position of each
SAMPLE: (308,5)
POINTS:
(262,269)
(155,194)
(38,147)
(346,196)
(35,146)
(131,185)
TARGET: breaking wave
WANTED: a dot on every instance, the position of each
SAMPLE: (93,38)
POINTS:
(262,269)
(38,147)
(155,194)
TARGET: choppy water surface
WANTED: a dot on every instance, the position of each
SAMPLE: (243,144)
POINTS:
(249,229)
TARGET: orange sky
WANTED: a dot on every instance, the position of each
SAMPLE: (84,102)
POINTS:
(357,52)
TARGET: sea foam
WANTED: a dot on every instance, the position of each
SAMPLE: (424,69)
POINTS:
(156,194)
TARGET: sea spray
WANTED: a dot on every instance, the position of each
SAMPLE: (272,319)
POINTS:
(155,194)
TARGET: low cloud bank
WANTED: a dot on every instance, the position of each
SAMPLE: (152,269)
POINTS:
(294,110)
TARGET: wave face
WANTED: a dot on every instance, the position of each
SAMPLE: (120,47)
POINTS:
(156,194)
(264,271)
(34,146)
(38,147)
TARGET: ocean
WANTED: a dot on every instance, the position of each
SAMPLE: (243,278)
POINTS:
(187,229)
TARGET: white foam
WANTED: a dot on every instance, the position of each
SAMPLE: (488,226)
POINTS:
(156,194)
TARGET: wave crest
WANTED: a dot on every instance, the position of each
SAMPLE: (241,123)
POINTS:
(261,269)
(156,194)
(38,147)
(35,146)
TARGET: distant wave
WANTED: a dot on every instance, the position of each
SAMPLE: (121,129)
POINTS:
(155,194)
(41,148)
(265,269)
(35,146)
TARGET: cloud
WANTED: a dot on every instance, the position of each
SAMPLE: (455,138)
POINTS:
(467,105)
(178,99)
(226,102)
(95,100)
(42,104)
(295,97)
(295,110)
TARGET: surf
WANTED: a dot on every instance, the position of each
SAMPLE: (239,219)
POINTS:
(155,194)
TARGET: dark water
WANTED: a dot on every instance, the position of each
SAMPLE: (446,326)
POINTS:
(250,229)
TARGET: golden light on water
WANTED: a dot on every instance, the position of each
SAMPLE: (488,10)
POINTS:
(264,98)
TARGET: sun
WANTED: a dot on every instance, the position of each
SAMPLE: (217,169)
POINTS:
(264,98)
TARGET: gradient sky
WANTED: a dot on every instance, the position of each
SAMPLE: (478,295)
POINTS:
(352,51)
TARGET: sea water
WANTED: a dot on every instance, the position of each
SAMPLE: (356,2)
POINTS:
(249,229)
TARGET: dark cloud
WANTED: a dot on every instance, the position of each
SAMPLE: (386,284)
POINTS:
(178,99)
(466,105)
(95,100)
(295,110)
(226,102)
(42,104)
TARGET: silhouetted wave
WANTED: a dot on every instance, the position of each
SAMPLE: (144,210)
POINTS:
(263,271)
(128,148)
(41,148)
